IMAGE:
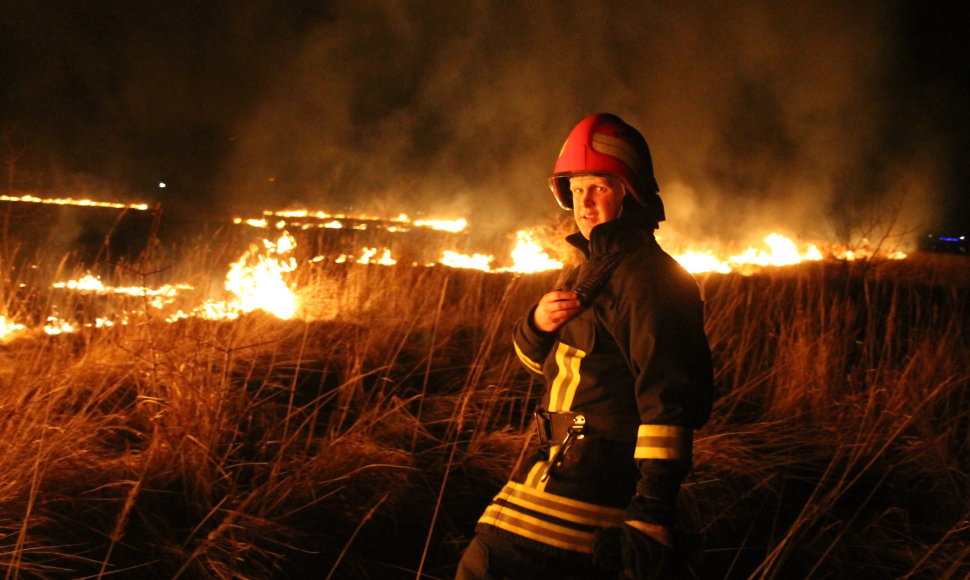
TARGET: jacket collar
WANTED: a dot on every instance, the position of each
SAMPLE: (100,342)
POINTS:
(622,234)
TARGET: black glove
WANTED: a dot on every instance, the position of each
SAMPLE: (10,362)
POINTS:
(644,558)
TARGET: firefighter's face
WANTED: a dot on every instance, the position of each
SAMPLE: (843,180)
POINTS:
(597,199)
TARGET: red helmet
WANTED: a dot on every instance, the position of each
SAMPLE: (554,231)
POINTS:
(604,144)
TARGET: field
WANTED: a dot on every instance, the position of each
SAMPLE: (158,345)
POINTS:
(363,438)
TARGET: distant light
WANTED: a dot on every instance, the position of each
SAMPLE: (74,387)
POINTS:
(161,184)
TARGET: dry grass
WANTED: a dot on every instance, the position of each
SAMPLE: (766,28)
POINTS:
(365,443)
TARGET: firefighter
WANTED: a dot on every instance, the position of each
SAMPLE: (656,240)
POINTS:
(628,375)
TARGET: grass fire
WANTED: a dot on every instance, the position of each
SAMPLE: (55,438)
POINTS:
(306,394)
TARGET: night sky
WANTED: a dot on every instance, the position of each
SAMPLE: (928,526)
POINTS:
(816,118)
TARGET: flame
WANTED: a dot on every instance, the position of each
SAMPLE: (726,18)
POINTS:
(57,325)
(8,328)
(72,201)
(158,297)
(256,279)
(474,261)
(367,256)
(256,223)
(384,259)
(87,283)
(453,226)
(864,251)
(781,252)
(696,262)
(528,256)
(257,282)
(322,219)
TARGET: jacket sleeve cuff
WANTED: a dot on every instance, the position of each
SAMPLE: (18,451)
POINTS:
(531,344)
(670,442)
(656,498)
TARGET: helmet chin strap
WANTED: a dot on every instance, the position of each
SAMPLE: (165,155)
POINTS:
(626,192)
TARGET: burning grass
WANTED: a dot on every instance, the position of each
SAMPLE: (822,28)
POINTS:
(364,440)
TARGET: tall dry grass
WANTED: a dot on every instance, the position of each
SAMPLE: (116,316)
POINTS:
(839,446)
(365,442)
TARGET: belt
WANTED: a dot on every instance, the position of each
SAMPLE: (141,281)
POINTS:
(555,426)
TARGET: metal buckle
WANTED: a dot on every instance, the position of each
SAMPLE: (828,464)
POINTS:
(543,426)
(575,432)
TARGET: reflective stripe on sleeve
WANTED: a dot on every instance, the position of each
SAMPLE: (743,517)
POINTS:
(664,442)
(528,362)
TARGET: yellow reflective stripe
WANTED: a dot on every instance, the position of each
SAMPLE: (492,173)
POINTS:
(563,388)
(538,530)
(534,479)
(616,147)
(561,349)
(564,508)
(663,442)
(528,362)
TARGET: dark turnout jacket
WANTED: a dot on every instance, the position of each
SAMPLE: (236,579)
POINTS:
(636,366)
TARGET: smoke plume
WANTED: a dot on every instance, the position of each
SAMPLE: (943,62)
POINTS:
(806,118)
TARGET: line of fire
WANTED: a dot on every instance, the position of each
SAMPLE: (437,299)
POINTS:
(269,252)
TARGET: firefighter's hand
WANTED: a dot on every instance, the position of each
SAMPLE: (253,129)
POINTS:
(645,554)
(555,308)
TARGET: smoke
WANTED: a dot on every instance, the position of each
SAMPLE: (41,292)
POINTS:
(759,115)
(789,116)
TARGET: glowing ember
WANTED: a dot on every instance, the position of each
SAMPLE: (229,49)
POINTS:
(367,256)
(251,222)
(864,252)
(87,283)
(72,201)
(57,325)
(384,259)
